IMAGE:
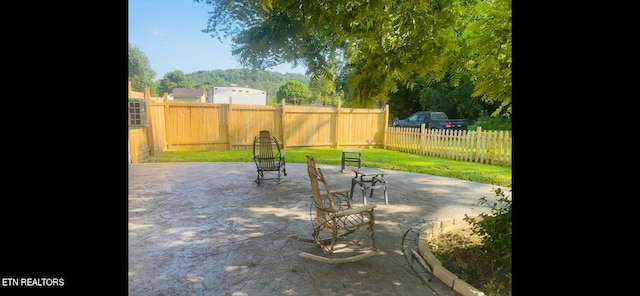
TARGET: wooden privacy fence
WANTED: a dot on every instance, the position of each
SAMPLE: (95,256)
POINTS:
(487,147)
(207,126)
(179,125)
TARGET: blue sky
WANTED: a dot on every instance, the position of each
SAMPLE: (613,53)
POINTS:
(169,33)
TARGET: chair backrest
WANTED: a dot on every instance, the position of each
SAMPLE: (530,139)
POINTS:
(323,202)
(267,149)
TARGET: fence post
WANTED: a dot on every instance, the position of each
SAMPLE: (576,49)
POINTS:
(165,99)
(423,139)
(150,129)
(282,123)
(229,121)
(336,128)
(477,153)
(386,124)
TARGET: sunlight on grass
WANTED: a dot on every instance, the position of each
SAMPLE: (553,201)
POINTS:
(377,158)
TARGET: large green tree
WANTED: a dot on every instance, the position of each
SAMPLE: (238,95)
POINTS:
(294,92)
(174,79)
(383,43)
(323,88)
(487,43)
(140,73)
(323,91)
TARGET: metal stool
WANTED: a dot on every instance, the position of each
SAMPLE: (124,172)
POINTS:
(351,155)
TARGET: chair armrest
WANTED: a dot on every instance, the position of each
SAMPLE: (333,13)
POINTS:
(357,210)
(340,193)
(340,201)
(341,198)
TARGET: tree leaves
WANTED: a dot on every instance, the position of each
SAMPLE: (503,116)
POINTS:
(294,92)
(382,42)
(140,73)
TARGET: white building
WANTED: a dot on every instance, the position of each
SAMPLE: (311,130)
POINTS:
(238,95)
(188,95)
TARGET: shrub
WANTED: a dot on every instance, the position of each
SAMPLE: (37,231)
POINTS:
(494,229)
(492,123)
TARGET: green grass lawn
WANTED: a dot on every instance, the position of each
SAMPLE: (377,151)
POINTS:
(377,158)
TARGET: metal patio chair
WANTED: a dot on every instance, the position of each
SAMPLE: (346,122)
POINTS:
(268,157)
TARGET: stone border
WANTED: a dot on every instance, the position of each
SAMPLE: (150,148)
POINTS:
(432,230)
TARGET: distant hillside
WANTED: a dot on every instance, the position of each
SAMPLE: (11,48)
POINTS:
(263,80)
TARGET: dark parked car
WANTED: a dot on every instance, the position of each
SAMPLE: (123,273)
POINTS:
(432,120)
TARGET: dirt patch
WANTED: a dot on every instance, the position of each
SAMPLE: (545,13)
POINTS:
(463,254)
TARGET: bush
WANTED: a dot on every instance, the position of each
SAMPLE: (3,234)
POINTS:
(492,123)
(494,229)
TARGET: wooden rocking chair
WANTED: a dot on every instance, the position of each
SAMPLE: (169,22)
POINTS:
(267,156)
(336,223)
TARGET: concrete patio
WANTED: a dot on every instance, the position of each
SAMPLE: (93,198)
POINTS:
(209,229)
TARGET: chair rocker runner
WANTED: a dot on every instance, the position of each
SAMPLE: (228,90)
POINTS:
(267,156)
(339,229)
